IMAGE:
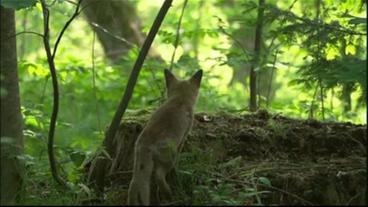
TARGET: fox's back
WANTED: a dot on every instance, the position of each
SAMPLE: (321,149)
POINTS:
(171,121)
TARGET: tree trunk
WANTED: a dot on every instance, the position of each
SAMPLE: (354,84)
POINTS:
(241,70)
(257,49)
(11,117)
(347,88)
(111,20)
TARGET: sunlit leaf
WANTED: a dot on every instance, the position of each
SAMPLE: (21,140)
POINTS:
(350,49)
(31,121)
(331,53)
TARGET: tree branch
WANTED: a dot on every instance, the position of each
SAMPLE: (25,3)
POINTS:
(253,102)
(55,109)
(136,69)
(314,23)
(110,134)
(26,32)
(177,35)
(106,31)
(76,13)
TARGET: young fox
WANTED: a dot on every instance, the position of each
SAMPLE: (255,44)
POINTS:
(162,138)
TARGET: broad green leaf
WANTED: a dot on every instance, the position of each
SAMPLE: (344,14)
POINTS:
(264,181)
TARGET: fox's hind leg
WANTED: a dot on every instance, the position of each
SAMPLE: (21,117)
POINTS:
(164,190)
(139,188)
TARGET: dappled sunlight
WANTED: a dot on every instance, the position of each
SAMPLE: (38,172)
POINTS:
(309,63)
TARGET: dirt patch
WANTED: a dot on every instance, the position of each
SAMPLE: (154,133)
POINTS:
(297,161)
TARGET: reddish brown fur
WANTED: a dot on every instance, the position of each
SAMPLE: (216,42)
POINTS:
(162,138)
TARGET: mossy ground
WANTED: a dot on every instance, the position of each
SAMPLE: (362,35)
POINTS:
(237,159)
(257,158)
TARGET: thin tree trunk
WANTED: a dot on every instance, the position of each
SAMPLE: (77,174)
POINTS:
(347,88)
(257,50)
(11,117)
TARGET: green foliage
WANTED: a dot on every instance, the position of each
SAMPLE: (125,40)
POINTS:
(40,189)
(334,44)
(203,180)
(329,52)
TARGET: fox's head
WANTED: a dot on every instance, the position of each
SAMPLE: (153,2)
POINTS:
(186,89)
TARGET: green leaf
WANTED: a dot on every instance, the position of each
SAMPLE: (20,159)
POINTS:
(77,157)
(358,20)
(18,4)
(264,181)
(31,121)
(233,162)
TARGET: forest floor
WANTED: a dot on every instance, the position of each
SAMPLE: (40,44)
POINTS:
(257,158)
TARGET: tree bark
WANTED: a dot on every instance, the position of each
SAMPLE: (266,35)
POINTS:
(11,117)
(111,18)
(257,49)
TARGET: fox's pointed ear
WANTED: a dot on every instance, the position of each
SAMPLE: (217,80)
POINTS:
(169,78)
(196,78)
